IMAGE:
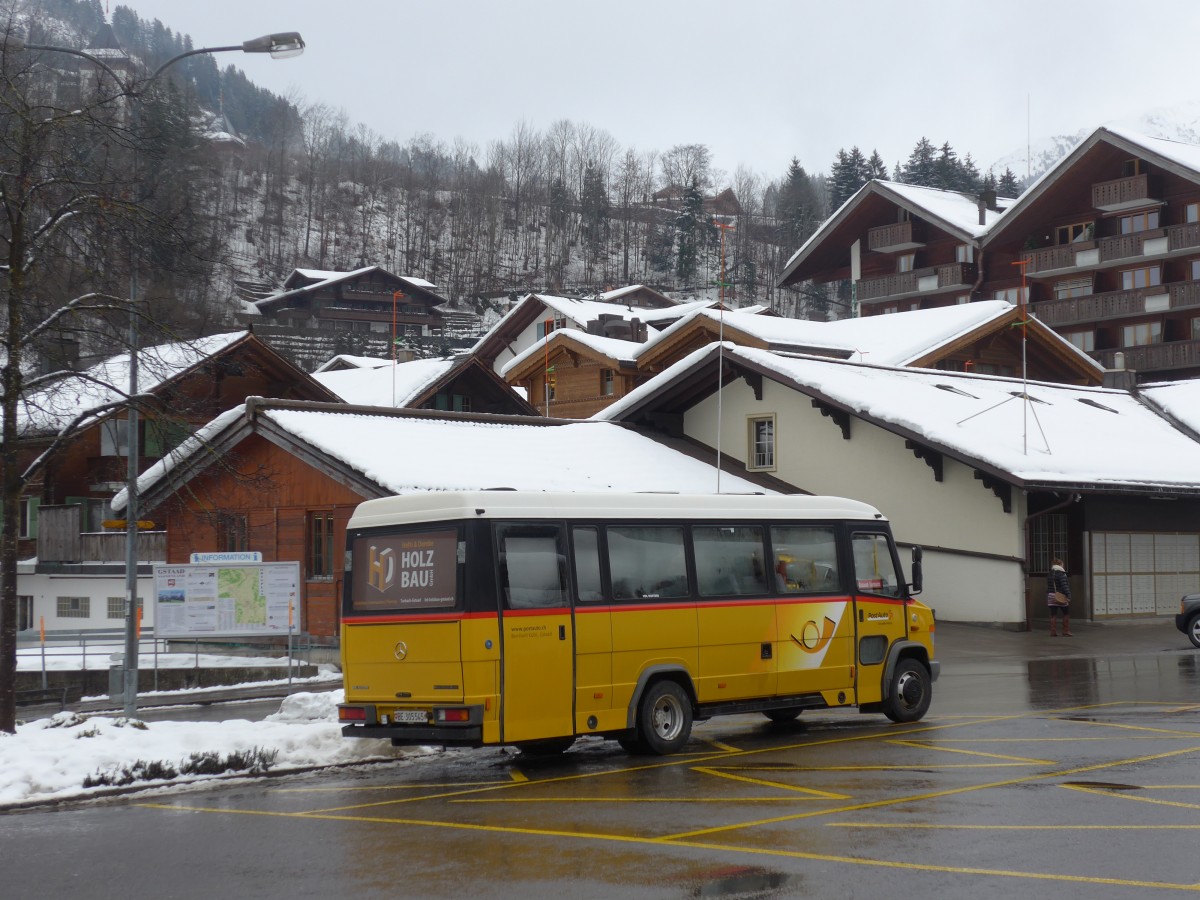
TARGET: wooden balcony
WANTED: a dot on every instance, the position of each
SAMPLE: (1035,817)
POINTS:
(929,280)
(1122,193)
(60,540)
(1115,304)
(892,238)
(1174,355)
(1157,242)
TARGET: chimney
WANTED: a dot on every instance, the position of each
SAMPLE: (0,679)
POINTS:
(1118,376)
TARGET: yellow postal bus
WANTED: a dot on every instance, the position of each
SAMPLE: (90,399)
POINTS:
(527,618)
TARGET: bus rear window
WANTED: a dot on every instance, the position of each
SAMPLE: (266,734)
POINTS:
(415,571)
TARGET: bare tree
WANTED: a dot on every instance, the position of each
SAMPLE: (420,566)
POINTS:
(687,164)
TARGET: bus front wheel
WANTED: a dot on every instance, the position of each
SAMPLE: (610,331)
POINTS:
(910,692)
(664,718)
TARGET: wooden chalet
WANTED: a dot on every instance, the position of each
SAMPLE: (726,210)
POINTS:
(574,374)
(1104,248)
(186,385)
(638,295)
(366,299)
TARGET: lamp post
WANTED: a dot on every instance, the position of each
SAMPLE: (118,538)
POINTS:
(282,45)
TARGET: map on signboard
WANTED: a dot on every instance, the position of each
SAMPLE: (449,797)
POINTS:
(243,586)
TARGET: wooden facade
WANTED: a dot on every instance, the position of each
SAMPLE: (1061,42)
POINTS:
(583,380)
(368,300)
(87,471)
(277,507)
(1105,249)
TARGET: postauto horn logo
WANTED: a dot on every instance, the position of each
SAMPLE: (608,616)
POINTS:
(381,568)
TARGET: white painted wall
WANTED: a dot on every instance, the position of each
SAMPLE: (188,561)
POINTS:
(956,514)
(46,589)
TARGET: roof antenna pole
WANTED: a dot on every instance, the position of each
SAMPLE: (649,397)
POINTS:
(395,295)
(1024,306)
(724,226)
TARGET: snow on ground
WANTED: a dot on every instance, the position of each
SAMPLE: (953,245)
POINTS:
(48,759)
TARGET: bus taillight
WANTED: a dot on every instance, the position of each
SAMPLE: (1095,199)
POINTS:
(352,714)
(453,715)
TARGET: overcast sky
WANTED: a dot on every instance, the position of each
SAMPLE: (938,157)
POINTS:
(758,81)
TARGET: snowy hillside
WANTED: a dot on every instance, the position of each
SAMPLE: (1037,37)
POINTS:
(1176,123)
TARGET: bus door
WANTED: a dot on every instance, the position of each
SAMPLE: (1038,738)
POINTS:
(878,609)
(536,633)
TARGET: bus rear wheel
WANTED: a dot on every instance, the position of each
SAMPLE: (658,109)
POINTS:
(910,692)
(664,718)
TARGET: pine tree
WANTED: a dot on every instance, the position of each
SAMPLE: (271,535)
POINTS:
(968,176)
(946,169)
(921,167)
(594,208)
(797,208)
(1008,185)
(692,231)
(876,167)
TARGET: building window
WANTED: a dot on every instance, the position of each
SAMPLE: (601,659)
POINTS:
(762,443)
(1084,340)
(1195,266)
(1072,287)
(1141,334)
(551,387)
(1196,329)
(904,262)
(1132,167)
(1148,276)
(964,253)
(73,607)
(28,524)
(607,382)
(114,438)
(1013,295)
(1074,233)
(1191,213)
(116,606)
(1142,221)
(1047,540)
(24,612)
(546,326)
(233,535)
(320,545)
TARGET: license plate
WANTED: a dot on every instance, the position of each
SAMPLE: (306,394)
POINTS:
(410,716)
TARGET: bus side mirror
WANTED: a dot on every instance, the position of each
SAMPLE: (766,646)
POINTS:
(917,577)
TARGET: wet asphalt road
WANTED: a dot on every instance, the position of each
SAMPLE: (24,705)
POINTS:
(1047,766)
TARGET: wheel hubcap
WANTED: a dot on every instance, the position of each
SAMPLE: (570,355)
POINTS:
(666,719)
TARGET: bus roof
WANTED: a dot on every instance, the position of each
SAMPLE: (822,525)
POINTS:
(434,506)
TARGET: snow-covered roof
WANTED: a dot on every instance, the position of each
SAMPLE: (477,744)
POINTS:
(52,408)
(346,361)
(324,278)
(955,212)
(387,384)
(613,348)
(1178,399)
(896,339)
(1063,436)
(457,454)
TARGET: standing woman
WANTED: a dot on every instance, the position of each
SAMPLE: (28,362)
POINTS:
(1058,597)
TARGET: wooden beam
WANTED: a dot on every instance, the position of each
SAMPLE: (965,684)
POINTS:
(839,416)
(1002,489)
(931,458)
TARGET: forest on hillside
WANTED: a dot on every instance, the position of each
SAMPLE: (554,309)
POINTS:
(565,209)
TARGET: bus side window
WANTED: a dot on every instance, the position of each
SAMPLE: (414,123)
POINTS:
(586,543)
(532,566)
(729,560)
(874,566)
(647,562)
(805,559)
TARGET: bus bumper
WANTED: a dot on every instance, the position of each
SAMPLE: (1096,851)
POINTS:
(406,735)
(442,725)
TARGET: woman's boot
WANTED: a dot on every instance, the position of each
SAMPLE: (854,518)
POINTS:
(1066,625)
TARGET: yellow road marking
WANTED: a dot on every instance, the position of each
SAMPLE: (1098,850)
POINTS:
(696,845)
(518,776)
(931,745)
(813,792)
(949,792)
(632,799)
(1127,795)
(909,826)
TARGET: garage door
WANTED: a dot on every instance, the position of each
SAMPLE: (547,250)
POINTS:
(1139,574)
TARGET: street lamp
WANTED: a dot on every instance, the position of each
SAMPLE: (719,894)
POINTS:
(282,45)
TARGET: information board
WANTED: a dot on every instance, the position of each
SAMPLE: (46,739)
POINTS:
(226,599)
